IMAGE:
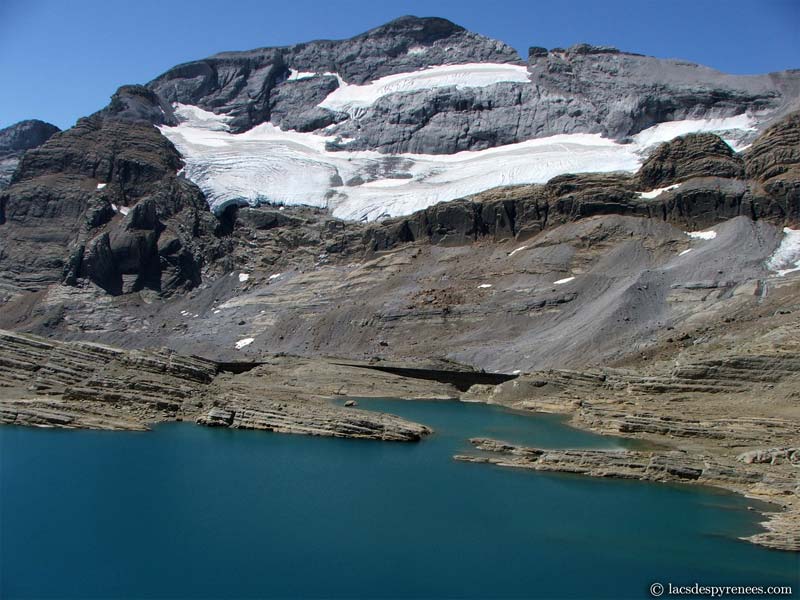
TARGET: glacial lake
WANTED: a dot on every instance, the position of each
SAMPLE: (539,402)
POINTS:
(192,512)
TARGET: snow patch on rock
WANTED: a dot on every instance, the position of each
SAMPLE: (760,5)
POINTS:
(244,342)
(658,191)
(786,258)
(702,235)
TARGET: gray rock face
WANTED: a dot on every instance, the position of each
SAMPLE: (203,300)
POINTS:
(583,89)
(18,138)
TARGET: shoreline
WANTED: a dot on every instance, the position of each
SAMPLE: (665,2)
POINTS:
(706,464)
(727,422)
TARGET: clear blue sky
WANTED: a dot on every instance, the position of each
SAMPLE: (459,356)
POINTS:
(62,59)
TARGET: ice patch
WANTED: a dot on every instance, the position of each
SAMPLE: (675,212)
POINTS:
(217,311)
(243,277)
(513,252)
(275,276)
(658,191)
(484,286)
(786,258)
(100,186)
(565,280)
(353,99)
(702,235)
(244,342)
(685,252)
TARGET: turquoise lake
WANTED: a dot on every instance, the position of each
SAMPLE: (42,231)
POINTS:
(192,512)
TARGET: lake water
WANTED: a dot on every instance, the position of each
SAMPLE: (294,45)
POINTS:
(190,512)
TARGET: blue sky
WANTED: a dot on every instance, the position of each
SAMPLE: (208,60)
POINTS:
(61,60)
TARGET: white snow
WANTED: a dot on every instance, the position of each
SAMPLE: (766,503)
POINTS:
(513,252)
(685,252)
(658,191)
(353,99)
(243,277)
(216,312)
(786,258)
(268,165)
(275,276)
(297,75)
(124,210)
(114,207)
(664,132)
(416,50)
(565,280)
(702,235)
(100,186)
(484,286)
(244,342)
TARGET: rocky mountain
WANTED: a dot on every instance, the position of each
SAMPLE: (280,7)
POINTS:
(441,136)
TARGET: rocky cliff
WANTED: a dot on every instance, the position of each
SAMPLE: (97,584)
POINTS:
(102,202)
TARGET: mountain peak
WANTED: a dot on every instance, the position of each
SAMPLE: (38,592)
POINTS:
(425,29)
(25,135)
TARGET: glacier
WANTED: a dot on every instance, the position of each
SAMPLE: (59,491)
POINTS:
(269,165)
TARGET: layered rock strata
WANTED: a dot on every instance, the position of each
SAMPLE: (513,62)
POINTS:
(46,383)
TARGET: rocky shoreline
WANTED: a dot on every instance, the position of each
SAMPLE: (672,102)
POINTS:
(46,383)
(728,422)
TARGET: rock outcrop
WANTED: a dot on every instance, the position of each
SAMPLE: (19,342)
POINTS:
(102,202)
(774,162)
(687,157)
